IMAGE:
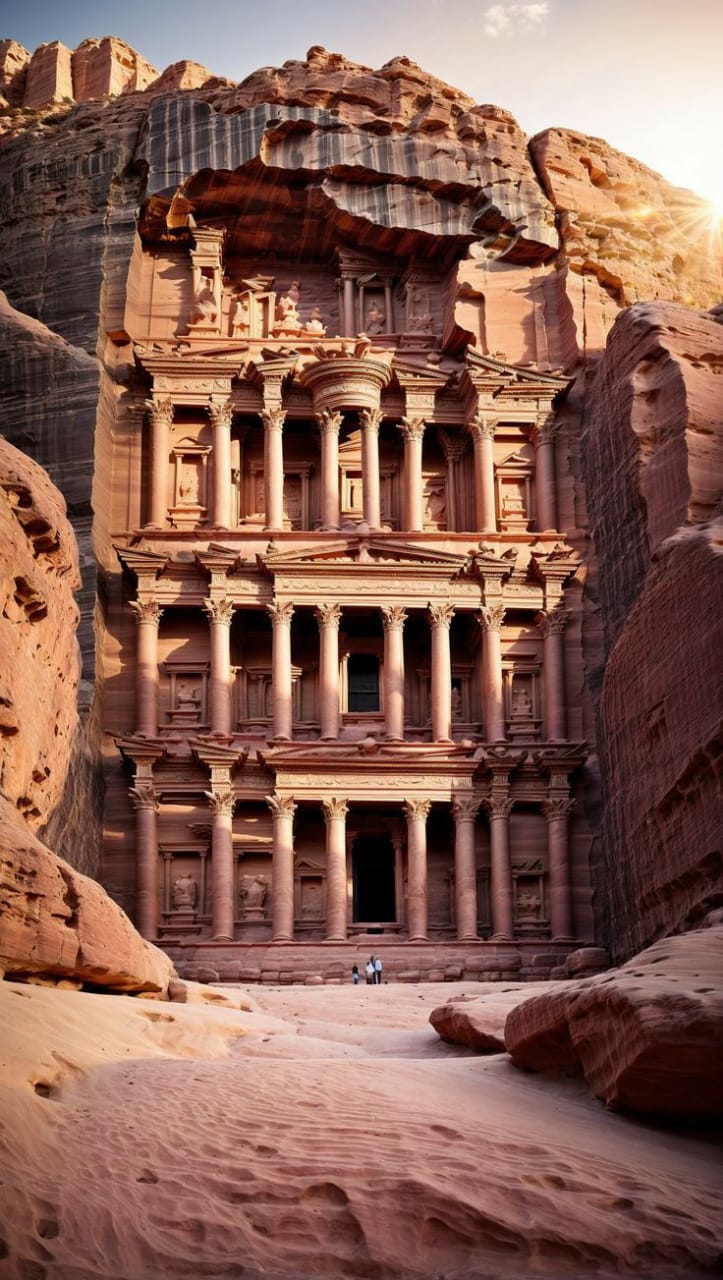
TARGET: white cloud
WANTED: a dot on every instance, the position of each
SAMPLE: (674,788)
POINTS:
(509,19)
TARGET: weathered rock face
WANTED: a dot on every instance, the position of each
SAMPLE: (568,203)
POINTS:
(478,1022)
(647,1038)
(14,61)
(653,456)
(54,922)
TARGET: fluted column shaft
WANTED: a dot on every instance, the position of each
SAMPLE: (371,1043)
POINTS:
(282,868)
(557,812)
(417,893)
(273,420)
(394,618)
(490,619)
(328,617)
(441,621)
(482,431)
(147,874)
(465,869)
(500,867)
(161,412)
(413,431)
(221,418)
(371,488)
(222,878)
(335,812)
(148,617)
(220,616)
(281,682)
(329,426)
(552,625)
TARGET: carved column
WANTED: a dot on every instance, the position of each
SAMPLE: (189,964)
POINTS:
(454,446)
(394,617)
(482,431)
(416,812)
(499,807)
(441,621)
(465,868)
(557,810)
(220,616)
(222,877)
(370,420)
(282,868)
(329,425)
(161,412)
(490,618)
(543,439)
(281,685)
(273,420)
(148,616)
(413,431)
(552,625)
(349,320)
(328,617)
(145,803)
(335,812)
(221,416)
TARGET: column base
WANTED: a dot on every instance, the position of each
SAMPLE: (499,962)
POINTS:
(469,937)
(418,937)
(336,937)
(564,939)
(222,937)
(282,937)
(501,937)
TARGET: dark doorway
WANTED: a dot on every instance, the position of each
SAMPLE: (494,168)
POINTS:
(373,868)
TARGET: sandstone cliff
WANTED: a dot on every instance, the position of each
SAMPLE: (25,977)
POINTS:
(55,924)
(653,458)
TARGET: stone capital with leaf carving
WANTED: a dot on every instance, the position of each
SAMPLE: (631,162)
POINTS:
(417,810)
(370,419)
(329,422)
(465,810)
(220,802)
(146,611)
(491,616)
(498,805)
(328,615)
(220,412)
(544,430)
(412,428)
(281,612)
(334,808)
(482,427)
(161,410)
(219,612)
(394,617)
(143,795)
(273,419)
(554,621)
(281,806)
(557,807)
(441,614)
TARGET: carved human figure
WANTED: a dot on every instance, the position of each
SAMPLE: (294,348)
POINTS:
(253,892)
(184,893)
(240,318)
(188,483)
(456,703)
(436,504)
(375,318)
(287,305)
(204,309)
(528,905)
(188,697)
(315,323)
(521,704)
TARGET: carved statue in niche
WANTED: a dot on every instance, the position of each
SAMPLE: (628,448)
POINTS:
(375,318)
(521,703)
(456,703)
(253,895)
(204,309)
(240,317)
(286,320)
(528,904)
(188,486)
(188,698)
(435,501)
(315,323)
(184,893)
(419,316)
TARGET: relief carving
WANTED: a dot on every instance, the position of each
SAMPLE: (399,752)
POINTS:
(146,611)
(184,893)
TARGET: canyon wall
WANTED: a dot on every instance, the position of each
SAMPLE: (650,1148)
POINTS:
(653,460)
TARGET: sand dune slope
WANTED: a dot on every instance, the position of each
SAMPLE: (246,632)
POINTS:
(360,1147)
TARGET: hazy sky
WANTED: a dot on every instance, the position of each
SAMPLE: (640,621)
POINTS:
(644,74)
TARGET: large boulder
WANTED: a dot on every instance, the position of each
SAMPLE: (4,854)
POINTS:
(647,1037)
(478,1021)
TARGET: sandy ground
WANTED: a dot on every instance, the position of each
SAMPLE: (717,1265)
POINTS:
(327,1132)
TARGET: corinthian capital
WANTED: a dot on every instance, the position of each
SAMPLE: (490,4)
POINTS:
(281,612)
(482,427)
(441,614)
(498,806)
(417,810)
(394,617)
(143,795)
(220,412)
(161,411)
(465,810)
(554,621)
(273,419)
(491,617)
(281,806)
(219,612)
(147,611)
(220,802)
(370,419)
(334,808)
(545,429)
(328,615)
(412,428)
(557,807)
(329,422)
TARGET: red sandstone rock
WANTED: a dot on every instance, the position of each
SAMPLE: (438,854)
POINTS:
(50,76)
(478,1021)
(182,75)
(109,66)
(14,60)
(648,1037)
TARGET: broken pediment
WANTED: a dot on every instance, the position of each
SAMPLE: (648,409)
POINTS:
(370,552)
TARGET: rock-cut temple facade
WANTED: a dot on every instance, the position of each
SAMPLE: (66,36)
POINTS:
(345,643)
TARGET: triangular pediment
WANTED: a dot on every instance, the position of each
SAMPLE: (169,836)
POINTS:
(368,552)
